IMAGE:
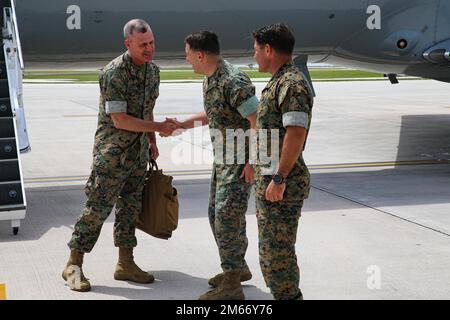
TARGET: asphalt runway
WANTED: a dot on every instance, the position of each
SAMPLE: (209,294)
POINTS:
(377,224)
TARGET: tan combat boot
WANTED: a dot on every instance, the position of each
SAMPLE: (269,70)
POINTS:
(127,270)
(216,280)
(73,273)
(229,289)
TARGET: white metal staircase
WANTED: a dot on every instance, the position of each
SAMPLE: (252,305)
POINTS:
(13,133)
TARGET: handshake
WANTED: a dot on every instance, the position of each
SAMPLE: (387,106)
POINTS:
(170,127)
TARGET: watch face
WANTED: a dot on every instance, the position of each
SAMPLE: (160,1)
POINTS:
(277,179)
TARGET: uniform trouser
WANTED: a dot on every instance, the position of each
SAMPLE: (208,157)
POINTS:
(227,207)
(104,190)
(277,228)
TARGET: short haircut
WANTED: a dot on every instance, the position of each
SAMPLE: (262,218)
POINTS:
(205,41)
(279,36)
(135,25)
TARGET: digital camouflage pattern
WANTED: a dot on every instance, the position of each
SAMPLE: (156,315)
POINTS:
(226,212)
(120,157)
(229,97)
(277,228)
(286,92)
(122,188)
(138,86)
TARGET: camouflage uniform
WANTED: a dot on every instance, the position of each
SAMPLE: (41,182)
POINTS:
(120,157)
(285,101)
(229,97)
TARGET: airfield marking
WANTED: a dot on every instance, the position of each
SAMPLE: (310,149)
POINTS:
(361,203)
(312,167)
(156,114)
(378,164)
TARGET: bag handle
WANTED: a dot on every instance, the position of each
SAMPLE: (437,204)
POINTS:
(153,165)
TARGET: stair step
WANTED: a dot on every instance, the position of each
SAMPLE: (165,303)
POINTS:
(9,171)
(7,128)
(8,149)
(4,88)
(11,194)
(3,71)
(5,108)
(12,207)
(2,52)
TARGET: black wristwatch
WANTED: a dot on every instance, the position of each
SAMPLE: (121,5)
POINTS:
(278,178)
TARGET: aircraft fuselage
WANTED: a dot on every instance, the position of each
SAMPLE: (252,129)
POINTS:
(387,36)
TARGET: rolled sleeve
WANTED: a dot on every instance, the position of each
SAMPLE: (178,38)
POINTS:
(114,88)
(248,107)
(295,104)
(115,106)
(296,118)
(240,94)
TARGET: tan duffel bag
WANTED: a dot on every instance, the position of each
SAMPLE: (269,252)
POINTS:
(159,215)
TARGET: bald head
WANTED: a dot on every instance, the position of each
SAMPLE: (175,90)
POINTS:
(135,25)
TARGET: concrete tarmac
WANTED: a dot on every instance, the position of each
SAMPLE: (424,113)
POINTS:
(377,224)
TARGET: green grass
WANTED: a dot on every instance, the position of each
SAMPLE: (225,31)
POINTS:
(82,76)
(339,74)
(59,75)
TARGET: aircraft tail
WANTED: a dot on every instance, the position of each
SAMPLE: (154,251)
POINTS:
(301,63)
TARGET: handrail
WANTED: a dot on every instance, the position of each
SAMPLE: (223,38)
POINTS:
(16,31)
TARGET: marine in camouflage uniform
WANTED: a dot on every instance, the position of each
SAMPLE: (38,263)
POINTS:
(285,101)
(120,156)
(229,98)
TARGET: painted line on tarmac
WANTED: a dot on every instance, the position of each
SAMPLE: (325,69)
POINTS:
(181,173)
(348,198)
(378,164)
(32,181)
(260,80)
(156,114)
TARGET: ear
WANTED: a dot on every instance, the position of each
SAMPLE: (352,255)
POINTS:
(127,43)
(200,55)
(267,50)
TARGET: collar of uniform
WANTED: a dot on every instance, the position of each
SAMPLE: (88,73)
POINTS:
(216,75)
(280,72)
(135,69)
